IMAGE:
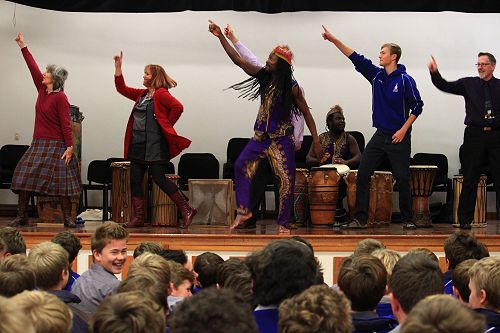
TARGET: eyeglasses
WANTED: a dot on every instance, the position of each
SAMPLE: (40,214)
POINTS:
(482,64)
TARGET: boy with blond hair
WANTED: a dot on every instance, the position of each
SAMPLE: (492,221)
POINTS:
(15,275)
(109,251)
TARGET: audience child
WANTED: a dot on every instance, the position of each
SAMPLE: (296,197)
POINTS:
(206,266)
(213,311)
(484,287)
(46,312)
(181,281)
(317,309)
(16,275)
(426,251)
(458,247)
(147,284)
(109,251)
(49,262)
(367,246)
(179,256)
(72,244)
(153,264)
(235,275)
(389,258)
(414,277)
(151,247)
(12,320)
(442,314)
(128,312)
(11,242)
(319,277)
(460,278)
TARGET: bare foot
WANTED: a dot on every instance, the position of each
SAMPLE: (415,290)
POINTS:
(240,218)
(283,230)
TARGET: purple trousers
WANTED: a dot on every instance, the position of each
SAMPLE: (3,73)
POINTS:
(281,155)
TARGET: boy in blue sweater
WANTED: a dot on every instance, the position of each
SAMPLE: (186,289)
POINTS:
(396,104)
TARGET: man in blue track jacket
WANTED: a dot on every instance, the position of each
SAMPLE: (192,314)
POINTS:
(396,104)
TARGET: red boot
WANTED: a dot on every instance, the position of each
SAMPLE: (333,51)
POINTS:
(22,207)
(138,220)
(186,210)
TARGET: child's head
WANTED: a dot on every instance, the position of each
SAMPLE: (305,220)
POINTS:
(69,242)
(109,246)
(16,275)
(11,242)
(181,280)
(50,264)
(153,264)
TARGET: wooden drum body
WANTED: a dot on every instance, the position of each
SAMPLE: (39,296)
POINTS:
(164,210)
(421,184)
(480,209)
(381,188)
(50,211)
(323,195)
(300,196)
(121,194)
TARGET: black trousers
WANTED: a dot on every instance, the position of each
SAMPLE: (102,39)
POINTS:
(478,146)
(380,146)
(157,172)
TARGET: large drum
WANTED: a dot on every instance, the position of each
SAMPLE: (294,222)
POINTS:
(50,211)
(480,209)
(323,195)
(421,184)
(121,194)
(164,210)
(300,196)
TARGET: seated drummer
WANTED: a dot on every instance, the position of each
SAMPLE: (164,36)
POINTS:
(339,147)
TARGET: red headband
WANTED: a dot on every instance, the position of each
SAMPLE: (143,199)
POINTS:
(284,53)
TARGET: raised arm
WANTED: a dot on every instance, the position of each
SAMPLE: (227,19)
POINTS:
(244,51)
(454,87)
(235,57)
(121,87)
(301,104)
(36,74)
(327,35)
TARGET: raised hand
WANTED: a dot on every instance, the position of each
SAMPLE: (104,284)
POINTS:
(118,60)
(327,35)
(214,29)
(20,40)
(229,32)
(433,67)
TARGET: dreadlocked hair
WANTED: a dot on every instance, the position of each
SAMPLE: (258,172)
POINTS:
(264,82)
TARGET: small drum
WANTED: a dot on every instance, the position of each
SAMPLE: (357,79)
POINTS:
(164,211)
(300,196)
(381,188)
(421,183)
(480,210)
(342,169)
(121,194)
(323,194)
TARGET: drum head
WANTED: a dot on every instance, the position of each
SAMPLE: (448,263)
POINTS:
(423,167)
(342,169)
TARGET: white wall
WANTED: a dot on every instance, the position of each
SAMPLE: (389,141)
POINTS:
(86,44)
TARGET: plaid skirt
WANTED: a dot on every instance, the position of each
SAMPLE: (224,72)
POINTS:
(42,171)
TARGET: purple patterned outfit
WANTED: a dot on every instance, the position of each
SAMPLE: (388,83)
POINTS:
(273,139)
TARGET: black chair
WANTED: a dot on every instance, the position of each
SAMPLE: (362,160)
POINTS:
(99,178)
(234,148)
(360,139)
(9,157)
(300,155)
(197,166)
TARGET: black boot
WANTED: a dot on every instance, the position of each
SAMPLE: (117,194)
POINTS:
(186,210)
(69,220)
(138,220)
(22,207)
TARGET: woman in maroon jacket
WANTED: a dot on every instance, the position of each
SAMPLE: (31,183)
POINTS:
(47,167)
(150,138)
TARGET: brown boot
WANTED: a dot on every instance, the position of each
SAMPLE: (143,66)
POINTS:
(186,210)
(138,220)
(69,221)
(22,207)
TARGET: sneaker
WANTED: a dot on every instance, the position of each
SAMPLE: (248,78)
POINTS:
(409,225)
(465,226)
(354,224)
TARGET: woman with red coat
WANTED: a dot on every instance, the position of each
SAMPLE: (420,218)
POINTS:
(150,138)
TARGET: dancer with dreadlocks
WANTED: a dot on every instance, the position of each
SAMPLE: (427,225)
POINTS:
(281,99)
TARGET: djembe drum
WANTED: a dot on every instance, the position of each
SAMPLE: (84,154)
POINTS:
(479,210)
(164,210)
(421,184)
(300,196)
(323,194)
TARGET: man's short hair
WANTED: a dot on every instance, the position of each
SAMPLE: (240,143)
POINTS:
(363,280)
(179,274)
(274,265)
(106,233)
(147,285)
(389,258)
(13,320)
(48,261)
(47,312)
(317,309)
(235,275)
(460,278)
(16,275)
(367,246)
(153,264)
(393,49)
(426,251)
(461,246)
(11,241)
(128,312)
(70,242)
(415,277)
(151,247)
(206,266)
(490,56)
(213,311)
(485,274)
(442,313)
(178,256)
